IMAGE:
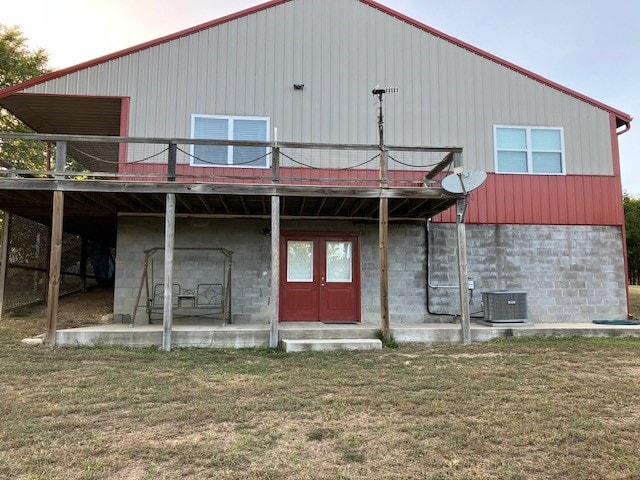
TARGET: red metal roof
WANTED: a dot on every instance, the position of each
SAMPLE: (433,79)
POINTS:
(622,118)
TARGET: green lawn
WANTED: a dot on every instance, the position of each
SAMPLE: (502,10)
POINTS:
(541,409)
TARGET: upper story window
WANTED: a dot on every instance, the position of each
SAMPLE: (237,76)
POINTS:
(218,127)
(529,150)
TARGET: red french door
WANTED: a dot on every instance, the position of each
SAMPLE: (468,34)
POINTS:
(319,277)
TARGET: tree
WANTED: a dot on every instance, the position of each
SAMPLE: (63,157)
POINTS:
(19,63)
(632,226)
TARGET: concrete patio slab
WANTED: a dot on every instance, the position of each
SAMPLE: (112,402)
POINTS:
(251,336)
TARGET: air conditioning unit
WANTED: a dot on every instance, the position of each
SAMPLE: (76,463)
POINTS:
(505,306)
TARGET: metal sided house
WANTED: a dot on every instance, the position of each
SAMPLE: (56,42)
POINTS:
(245,163)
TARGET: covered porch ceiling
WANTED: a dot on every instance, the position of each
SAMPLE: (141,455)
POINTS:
(91,208)
(74,115)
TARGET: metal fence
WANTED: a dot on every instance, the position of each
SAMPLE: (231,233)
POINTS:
(27,273)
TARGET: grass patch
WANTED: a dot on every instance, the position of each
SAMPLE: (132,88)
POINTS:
(387,339)
(634,300)
(513,409)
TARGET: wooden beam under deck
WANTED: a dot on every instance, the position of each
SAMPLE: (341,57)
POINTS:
(93,206)
(111,186)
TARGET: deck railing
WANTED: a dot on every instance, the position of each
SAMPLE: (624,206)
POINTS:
(134,159)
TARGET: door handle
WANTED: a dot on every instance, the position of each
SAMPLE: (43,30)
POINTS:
(322,281)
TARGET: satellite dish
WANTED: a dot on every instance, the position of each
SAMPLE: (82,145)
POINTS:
(464,182)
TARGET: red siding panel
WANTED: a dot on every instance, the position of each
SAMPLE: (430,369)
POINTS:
(544,200)
(503,199)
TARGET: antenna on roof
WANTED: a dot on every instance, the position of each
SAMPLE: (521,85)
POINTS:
(380,93)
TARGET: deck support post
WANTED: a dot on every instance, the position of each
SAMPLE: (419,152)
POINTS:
(461,240)
(383,230)
(61,159)
(4,256)
(275,272)
(169,242)
(171,162)
(55,260)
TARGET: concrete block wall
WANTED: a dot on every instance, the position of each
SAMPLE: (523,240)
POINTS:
(570,273)
(251,272)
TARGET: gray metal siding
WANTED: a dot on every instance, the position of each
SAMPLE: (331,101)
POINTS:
(340,49)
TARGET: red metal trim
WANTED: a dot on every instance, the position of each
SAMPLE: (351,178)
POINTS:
(624,117)
(615,151)
(125,107)
(626,129)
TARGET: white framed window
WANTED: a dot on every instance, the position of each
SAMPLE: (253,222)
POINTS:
(223,127)
(534,150)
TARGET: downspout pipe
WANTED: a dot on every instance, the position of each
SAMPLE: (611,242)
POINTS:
(626,129)
(627,126)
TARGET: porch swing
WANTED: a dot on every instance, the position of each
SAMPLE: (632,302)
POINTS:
(204,292)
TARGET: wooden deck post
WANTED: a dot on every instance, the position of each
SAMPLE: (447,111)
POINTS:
(54,268)
(4,256)
(383,232)
(383,228)
(461,239)
(275,272)
(171,162)
(169,242)
(61,159)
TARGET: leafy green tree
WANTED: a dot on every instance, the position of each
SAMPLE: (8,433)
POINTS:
(632,225)
(19,63)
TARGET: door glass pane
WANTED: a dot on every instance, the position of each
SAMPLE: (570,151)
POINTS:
(299,261)
(339,262)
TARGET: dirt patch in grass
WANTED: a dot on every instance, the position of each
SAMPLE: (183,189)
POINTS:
(81,309)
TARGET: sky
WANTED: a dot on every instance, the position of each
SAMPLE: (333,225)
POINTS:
(591,46)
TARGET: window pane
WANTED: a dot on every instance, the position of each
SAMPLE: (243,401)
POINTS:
(250,130)
(546,139)
(214,129)
(514,162)
(299,261)
(339,262)
(511,138)
(544,162)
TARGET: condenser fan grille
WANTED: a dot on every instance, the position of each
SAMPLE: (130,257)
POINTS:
(505,306)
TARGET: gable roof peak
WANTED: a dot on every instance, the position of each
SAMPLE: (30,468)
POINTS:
(622,118)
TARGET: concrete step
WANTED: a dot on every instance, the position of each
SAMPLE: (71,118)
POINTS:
(331,344)
(326,332)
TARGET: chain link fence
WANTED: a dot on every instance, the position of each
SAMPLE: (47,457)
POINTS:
(27,276)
